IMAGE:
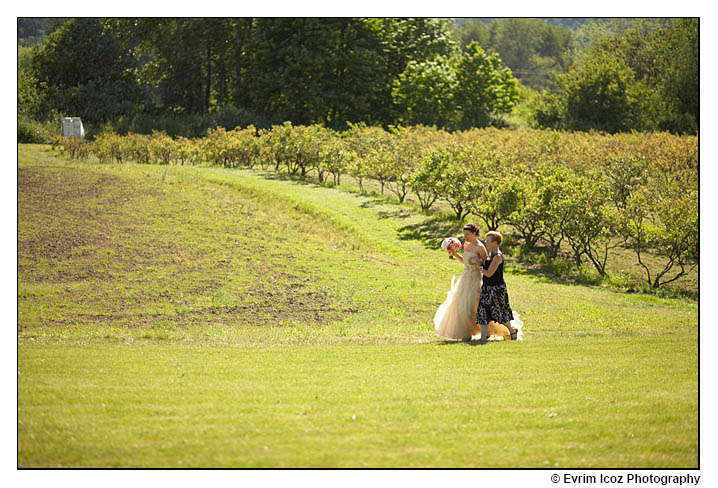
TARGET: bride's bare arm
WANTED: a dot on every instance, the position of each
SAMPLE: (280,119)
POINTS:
(457,256)
(483,254)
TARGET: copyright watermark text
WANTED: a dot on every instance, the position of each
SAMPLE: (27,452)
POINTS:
(626,479)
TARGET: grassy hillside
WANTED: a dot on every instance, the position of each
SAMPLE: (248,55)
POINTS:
(205,317)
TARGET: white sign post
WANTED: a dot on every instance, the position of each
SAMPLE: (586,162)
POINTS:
(72,127)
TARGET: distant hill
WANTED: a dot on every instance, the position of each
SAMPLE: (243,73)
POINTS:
(33,30)
(568,22)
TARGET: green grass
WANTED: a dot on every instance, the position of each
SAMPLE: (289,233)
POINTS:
(206,317)
(348,405)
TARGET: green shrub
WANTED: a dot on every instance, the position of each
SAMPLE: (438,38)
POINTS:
(74,147)
(559,266)
(31,132)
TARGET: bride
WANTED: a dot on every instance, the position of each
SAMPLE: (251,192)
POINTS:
(456,317)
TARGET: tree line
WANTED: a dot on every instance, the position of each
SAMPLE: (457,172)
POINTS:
(139,73)
(307,70)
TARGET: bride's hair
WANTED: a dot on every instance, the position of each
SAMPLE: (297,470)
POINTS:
(472,228)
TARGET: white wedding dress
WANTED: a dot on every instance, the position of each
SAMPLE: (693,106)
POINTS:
(456,317)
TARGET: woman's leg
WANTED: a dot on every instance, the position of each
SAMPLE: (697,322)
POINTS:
(512,330)
(484,333)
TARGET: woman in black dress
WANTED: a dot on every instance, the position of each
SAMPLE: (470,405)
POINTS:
(494,298)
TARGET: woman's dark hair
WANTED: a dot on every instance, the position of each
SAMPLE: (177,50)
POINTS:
(472,228)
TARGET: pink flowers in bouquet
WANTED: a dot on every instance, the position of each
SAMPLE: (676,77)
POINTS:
(450,244)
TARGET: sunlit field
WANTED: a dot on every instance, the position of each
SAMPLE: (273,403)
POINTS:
(204,317)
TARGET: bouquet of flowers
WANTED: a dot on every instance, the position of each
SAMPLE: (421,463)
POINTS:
(450,244)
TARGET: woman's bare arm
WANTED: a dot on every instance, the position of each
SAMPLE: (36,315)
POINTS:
(494,266)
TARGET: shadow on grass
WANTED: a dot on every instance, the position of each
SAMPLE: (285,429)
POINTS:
(430,232)
(447,342)
(271,175)
(396,214)
(401,211)
(373,201)
(545,275)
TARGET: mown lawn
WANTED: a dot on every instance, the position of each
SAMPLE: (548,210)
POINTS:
(173,316)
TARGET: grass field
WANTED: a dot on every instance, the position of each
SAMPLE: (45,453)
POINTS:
(202,317)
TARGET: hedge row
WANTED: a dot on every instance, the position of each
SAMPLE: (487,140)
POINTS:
(589,192)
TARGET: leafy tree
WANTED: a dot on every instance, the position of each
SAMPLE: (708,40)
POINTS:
(474,31)
(330,71)
(499,194)
(187,63)
(601,93)
(547,110)
(425,93)
(375,149)
(337,158)
(109,145)
(663,54)
(188,150)
(485,87)
(591,225)
(289,69)
(29,97)
(360,139)
(162,148)
(556,187)
(463,91)
(418,39)
(534,50)
(86,72)
(528,213)
(599,31)
(403,40)
(458,184)
(277,144)
(623,176)
(310,152)
(679,82)
(382,160)
(664,223)
(426,179)
(408,147)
